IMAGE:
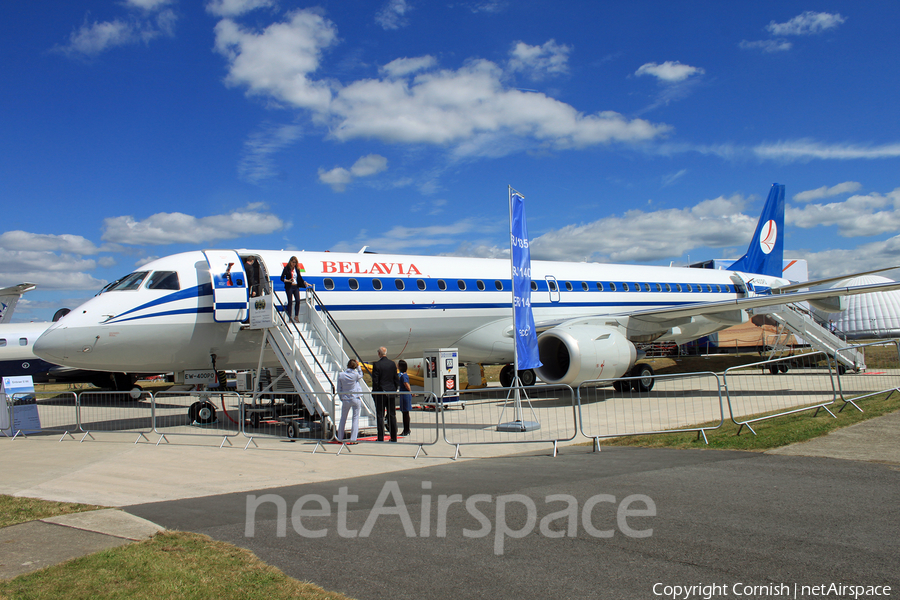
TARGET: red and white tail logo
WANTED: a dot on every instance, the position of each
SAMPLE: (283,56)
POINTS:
(767,236)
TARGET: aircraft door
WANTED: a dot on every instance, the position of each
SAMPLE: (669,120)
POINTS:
(553,286)
(229,285)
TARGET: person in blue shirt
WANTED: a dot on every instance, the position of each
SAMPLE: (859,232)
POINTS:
(405,398)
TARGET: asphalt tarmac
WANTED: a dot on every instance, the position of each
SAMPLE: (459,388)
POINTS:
(622,523)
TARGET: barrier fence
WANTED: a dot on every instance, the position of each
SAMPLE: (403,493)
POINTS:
(675,403)
(779,387)
(115,412)
(882,374)
(691,402)
(424,422)
(41,413)
(544,414)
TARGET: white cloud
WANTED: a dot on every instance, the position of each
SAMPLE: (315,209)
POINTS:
(810,149)
(715,223)
(868,215)
(769,46)
(236,8)
(393,14)
(279,60)
(848,187)
(402,67)
(539,61)
(669,71)
(256,164)
(402,238)
(465,108)
(807,23)
(172,228)
(150,22)
(339,178)
(23,241)
(453,107)
(837,262)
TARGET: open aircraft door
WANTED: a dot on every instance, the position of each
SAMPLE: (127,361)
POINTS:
(229,285)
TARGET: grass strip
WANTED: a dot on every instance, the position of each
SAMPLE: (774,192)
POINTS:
(172,565)
(15,510)
(771,433)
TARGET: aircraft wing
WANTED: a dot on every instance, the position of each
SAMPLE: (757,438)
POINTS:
(668,314)
(711,308)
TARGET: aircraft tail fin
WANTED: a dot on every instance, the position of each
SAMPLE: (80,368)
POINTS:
(765,256)
(9,297)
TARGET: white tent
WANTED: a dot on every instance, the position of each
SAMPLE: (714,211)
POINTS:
(875,315)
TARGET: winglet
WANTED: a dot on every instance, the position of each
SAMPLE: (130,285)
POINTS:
(765,256)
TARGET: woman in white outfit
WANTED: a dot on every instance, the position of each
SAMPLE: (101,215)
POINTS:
(350,392)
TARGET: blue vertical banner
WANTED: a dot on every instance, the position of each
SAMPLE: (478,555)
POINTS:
(527,355)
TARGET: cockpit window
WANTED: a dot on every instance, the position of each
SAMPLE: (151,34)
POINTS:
(163,280)
(129,282)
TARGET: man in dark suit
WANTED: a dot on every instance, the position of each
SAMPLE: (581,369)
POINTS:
(385,379)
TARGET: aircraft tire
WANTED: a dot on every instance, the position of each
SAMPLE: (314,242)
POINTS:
(773,369)
(204,412)
(528,377)
(621,386)
(506,376)
(783,368)
(293,430)
(646,381)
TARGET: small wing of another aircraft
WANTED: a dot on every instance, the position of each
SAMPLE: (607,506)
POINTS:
(9,297)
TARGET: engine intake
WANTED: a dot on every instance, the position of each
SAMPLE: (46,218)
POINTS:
(578,353)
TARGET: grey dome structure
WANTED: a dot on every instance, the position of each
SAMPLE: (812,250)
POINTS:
(875,315)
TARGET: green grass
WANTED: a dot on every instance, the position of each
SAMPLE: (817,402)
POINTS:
(15,510)
(771,433)
(170,565)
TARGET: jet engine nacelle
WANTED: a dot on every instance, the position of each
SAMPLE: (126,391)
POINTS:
(574,354)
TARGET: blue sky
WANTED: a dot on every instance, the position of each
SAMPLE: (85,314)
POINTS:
(643,132)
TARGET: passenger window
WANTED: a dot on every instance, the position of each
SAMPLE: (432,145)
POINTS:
(689,288)
(23,341)
(678,286)
(533,286)
(584,285)
(569,287)
(499,285)
(329,283)
(626,287)
(552,285)
(2,342)
(163,280)
(420,283)
(442,285)
(129,282)
(646,287)
(668,288)
(480,285)
(461,284)
(658,287)
(612,286)
(354,284)
(376,284)
(599,286)
(399,284)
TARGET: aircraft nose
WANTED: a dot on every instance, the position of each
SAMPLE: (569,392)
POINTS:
(52,345)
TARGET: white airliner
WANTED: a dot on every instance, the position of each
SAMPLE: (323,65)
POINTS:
(183,312)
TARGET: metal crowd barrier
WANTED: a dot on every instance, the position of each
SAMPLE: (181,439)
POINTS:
(675,404)
(283,414)
(424,422)
(882,373)
(208,414)
(41,413)
(543,414)
(115,412)
(779,387)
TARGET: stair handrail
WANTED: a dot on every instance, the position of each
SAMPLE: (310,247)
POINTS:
(290,323)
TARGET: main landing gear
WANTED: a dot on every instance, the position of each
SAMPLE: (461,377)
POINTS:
(643,383)
(527,376)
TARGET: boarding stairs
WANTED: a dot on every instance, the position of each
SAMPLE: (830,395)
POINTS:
(801,323)
(311,354)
